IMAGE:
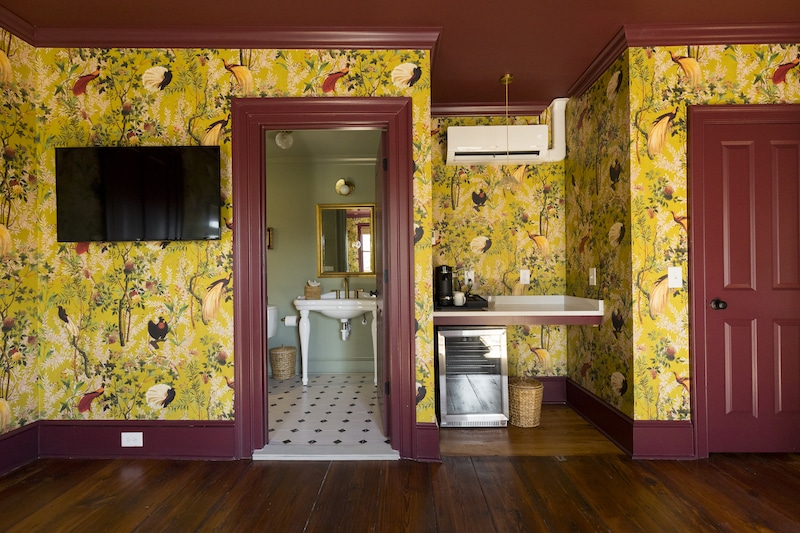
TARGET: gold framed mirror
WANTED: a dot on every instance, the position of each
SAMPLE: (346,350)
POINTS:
(344,240)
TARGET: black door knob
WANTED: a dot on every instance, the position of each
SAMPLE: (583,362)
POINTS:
(718,305)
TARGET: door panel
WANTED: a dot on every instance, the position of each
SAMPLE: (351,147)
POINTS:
(381,361)
(748,193)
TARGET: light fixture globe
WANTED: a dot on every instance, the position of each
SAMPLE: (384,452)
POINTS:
(344,187)
(284,140)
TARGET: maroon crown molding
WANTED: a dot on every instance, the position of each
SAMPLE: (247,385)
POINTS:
(639,35)
(424,38)
(488,110)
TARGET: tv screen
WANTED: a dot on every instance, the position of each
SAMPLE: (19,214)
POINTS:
(163,193)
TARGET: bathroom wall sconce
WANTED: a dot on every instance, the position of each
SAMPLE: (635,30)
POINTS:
(284,139)
(344,187)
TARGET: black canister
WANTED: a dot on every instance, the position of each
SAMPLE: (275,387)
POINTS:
(443,285)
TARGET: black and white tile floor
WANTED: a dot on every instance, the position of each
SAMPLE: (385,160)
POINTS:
(335,416)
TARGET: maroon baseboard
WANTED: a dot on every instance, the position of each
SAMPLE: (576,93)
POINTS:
(644,439)
(19,447)
(212,440)
(427,449)
(554,389)
(663,439)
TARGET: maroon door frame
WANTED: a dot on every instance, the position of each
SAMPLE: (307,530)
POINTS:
(251,119)
(699,116)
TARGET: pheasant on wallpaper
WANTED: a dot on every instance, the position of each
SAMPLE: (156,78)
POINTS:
(85,403)
(160,395)
(690,67)
(478,199)
(158,331)
(242,75)
(617,321)
(779,76)
(72,328)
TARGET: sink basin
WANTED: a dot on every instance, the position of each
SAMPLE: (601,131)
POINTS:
(342,309)
(333,307)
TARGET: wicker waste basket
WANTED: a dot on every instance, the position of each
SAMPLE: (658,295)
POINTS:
(283,361)
(525,401)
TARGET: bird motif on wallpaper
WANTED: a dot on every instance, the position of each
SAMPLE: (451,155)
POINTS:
(614,172)
(619,383)
(5,413)
(242,75)
(421,392)
(229,382)
(85,403)
(614,83)
(213,133)
(541,242)
(419,232)
(616,233)
(6,74)
(406,75)
(72,328)
(779,76)
(330,82)
(685,382)
(160,395)
(659,133)
(513,181)
(156,78)
(480,244)
(542,356)
(478,199)
(5,240)
(617,321)
(158,331)
(213,298)
(690,68)
(80,85)
(585,369)
(659,296)
(681,220)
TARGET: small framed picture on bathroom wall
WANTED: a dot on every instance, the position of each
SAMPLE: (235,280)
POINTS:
(270,238)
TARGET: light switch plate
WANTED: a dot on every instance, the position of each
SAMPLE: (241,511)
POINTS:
(592,276)
(674,277)
(469,277)
(525,276)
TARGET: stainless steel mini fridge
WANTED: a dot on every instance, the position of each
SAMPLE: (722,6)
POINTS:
(472,373)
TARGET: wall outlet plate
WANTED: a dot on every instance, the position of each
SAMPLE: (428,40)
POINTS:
(132,439)
(525,276)
(674,277)
(593,276)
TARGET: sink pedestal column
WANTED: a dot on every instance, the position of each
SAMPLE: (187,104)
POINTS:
(305,333)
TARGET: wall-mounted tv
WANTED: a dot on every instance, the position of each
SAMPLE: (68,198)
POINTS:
(152,193)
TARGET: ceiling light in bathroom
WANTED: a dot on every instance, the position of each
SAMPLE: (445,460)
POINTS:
(284,139)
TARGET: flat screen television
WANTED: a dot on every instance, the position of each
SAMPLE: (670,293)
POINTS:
(152,193)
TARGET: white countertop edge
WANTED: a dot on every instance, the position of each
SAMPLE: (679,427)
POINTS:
(547,305)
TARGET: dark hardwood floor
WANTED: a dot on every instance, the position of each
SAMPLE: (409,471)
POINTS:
(573,490)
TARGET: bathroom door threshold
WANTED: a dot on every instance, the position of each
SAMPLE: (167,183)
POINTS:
(311,452)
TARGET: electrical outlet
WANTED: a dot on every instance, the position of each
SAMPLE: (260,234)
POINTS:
(674,277)
(132,439)
(469,277)
(592,276)
(525,276)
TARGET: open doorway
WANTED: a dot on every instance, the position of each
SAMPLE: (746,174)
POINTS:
(251,119)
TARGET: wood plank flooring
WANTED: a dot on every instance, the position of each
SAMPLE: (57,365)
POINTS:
(579,488)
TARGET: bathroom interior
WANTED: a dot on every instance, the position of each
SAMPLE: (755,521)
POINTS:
(338,407)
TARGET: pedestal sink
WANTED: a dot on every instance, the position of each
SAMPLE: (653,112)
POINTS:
(342,309)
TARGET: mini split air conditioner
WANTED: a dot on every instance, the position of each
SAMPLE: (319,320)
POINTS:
(498,145)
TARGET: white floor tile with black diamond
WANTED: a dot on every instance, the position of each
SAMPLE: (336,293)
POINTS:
(334,417)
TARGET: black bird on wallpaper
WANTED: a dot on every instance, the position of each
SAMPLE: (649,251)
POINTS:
(158,331)
(418,233)
(421,392)
(478,198)
(617,321)
(614,172)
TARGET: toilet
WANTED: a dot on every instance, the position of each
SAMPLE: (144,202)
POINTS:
(272,320)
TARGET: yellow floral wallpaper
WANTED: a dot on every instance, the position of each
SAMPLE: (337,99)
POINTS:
(639,360)
(497,220)
(145,330)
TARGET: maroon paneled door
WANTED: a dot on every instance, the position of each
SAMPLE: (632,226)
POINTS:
(745,198)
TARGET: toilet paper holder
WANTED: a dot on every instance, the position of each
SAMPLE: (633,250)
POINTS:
(289,321)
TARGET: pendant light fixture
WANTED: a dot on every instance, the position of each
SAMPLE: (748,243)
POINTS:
(284,139)
(506,80)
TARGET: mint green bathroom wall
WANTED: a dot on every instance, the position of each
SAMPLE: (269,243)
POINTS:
(293,191)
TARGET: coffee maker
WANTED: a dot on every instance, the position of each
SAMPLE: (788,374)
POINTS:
(443,286)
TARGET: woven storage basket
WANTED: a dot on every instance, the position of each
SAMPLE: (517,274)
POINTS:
(283,361)
(525,401)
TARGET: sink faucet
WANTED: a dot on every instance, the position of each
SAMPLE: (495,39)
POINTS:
(346,287)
